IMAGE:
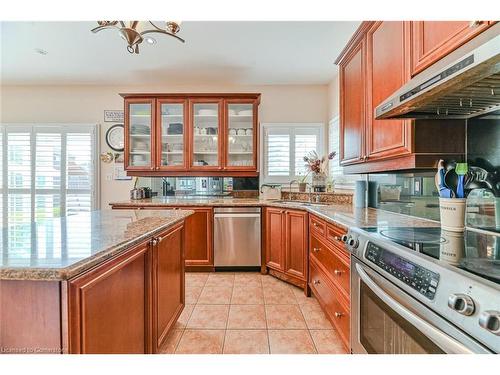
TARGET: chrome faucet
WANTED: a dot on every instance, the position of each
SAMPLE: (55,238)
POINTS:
(290,189)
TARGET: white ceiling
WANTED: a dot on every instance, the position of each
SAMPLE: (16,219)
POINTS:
(214,52)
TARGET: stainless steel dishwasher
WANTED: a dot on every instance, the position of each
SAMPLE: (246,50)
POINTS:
(237,238)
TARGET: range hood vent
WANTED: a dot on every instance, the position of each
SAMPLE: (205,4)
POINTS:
(465,87)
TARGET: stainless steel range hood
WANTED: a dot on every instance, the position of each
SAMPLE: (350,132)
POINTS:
(462,85)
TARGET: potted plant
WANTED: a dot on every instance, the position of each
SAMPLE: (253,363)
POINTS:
(318,167)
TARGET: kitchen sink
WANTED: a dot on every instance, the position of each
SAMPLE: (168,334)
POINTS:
(301,203)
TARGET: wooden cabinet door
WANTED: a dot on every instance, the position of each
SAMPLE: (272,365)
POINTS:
(296,244)
(168,283)
(387,57)
(198,238)
(171,134)
(206,134)
(352,106)
(139,133)
(240,135)
(108,306)
(275,238)
(432,40)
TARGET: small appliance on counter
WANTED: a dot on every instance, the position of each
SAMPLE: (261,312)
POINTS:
(270,191)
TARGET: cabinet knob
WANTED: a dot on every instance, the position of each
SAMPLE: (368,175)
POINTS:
(154,242)
(316,249)
(315,224)
(152,168)
(316,282)
(337,272)
(158,239)
(338,315)
(337,238)
(473,24)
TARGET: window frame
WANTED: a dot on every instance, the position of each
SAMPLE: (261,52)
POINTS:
(291,129)
(58,128)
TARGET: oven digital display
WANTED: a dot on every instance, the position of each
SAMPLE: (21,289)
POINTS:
(403,266)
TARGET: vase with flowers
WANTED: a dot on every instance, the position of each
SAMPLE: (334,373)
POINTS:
(318,167)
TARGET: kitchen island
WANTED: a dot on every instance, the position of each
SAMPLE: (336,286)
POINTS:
(99,282)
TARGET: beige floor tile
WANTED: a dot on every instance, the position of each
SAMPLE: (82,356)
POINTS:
(247,295)
(201,341)
(208,317)
(192,294)
(284,317)
(278,296)
(184,318)
(215,295)
(291,342)
(196,278)
(220,279)
(315,317)
(246,317)
(248,279)
(268,280)
(246,342)
(302,299)
(328,342)
(172,341)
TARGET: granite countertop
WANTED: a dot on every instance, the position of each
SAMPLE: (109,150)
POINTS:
(60,248)
(338,213)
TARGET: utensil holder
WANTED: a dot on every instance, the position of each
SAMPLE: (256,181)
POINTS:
(452,211)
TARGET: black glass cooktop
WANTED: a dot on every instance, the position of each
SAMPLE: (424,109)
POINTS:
(475,251)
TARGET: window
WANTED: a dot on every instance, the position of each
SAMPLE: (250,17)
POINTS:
(284,147)
(341,181)
(46,171)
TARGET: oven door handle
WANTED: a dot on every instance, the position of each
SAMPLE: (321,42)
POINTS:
(447,343)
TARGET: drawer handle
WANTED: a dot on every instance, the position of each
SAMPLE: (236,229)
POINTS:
(316,282)
(316,249)
(473,24)
(155,242)
(338,315)
(159,239)
(337,272)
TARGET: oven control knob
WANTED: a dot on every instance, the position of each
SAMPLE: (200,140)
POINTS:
(344,238)
(490,321)
(461,303)
(354,243)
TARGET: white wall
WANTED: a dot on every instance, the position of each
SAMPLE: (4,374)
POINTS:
(86,104)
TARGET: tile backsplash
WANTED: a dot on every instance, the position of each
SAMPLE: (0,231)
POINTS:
(416,194)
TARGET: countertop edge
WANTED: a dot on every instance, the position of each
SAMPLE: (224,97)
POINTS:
(63,274)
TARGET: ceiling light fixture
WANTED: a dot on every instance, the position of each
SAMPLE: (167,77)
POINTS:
(133,32)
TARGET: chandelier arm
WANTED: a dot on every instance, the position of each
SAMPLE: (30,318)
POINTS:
(122,24)
(156,27)
(99,28)
(160,31)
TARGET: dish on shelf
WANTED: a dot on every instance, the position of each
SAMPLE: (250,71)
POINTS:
(245,112)
(207,112)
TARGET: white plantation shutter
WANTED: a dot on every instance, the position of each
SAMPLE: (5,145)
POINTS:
(46,171)
(284,148)
(278,154)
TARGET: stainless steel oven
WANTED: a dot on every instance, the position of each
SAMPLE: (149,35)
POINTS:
(386,320)
(405,302)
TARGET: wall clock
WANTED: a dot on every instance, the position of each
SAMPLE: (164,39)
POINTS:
(115,137)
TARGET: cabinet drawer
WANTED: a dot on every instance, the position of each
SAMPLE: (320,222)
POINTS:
(336,268)
(317,226)
(334,235)
(328,298)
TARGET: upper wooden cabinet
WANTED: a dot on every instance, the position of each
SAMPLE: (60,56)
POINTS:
(387,71)
(352,106)
(432,40)
(378,60)
(191,134)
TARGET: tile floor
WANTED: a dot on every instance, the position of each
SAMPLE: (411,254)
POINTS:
(249,313)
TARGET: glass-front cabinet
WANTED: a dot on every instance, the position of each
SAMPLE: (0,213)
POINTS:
(191,134)
(206,134)
(172,134)
(139,143)
(241,139)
